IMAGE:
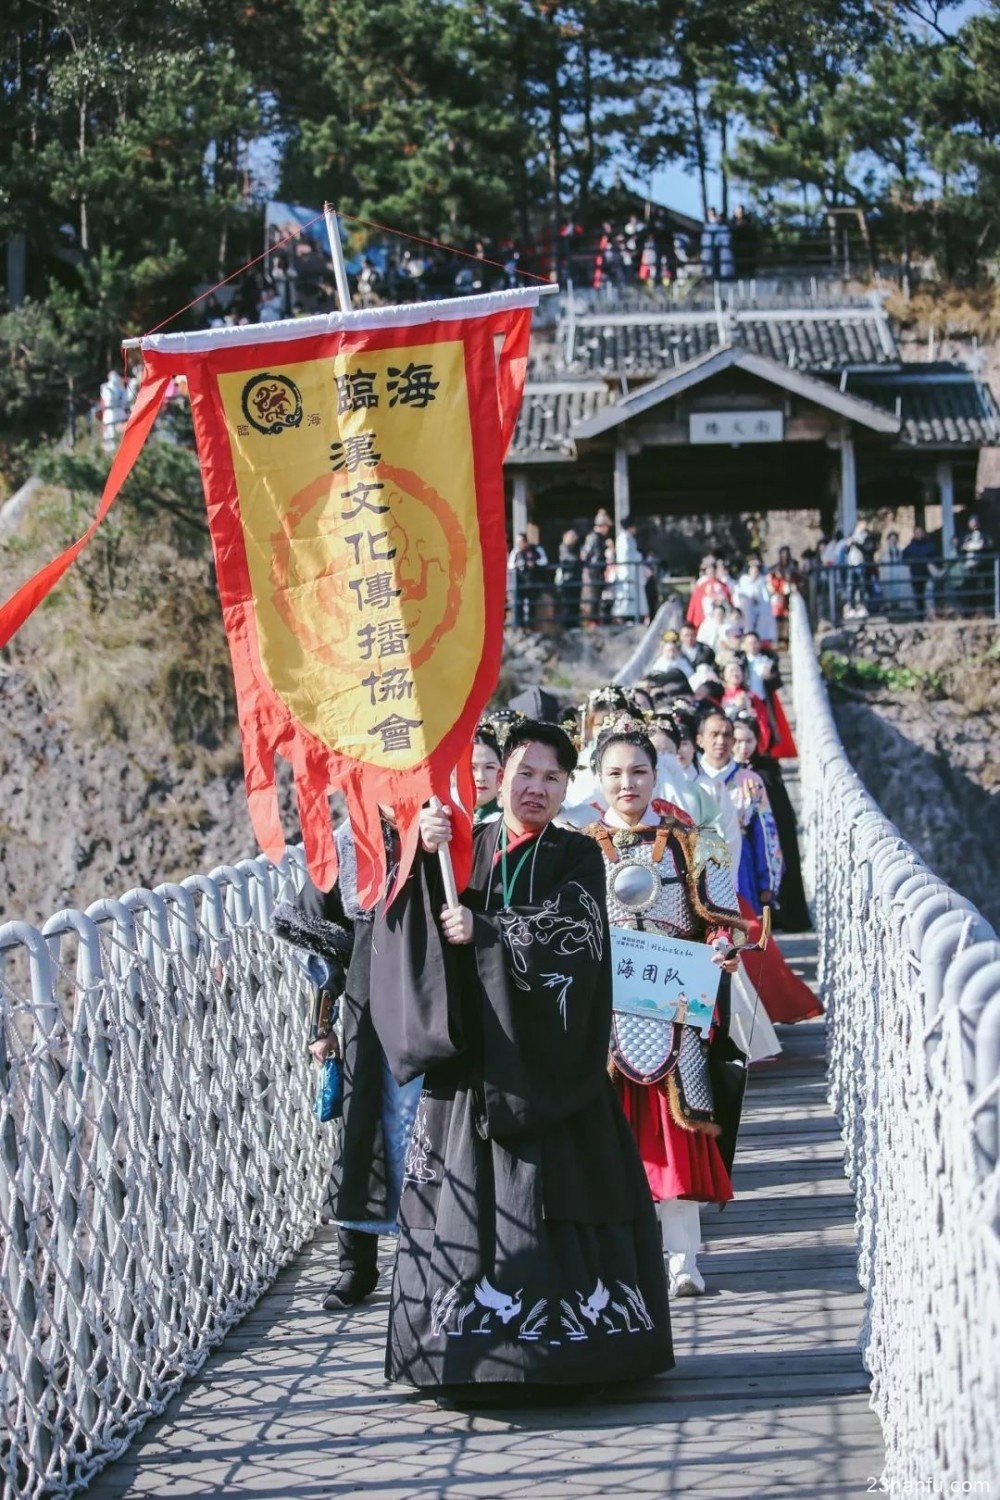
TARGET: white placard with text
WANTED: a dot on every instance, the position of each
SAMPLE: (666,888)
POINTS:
(664,978)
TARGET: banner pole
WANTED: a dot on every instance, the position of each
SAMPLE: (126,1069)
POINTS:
(447,868)
(337,253)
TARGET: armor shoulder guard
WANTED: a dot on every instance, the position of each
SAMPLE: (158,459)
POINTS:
(672,811)
(710,848)
(704,847)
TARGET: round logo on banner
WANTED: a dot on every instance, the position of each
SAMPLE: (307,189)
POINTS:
(271,403)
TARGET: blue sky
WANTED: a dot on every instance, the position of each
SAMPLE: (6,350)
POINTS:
(679,190)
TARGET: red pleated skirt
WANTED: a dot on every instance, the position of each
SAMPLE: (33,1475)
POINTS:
(783,746)
(784,996)
(679,1163)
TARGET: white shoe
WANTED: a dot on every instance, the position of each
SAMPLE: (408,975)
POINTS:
(685,1278)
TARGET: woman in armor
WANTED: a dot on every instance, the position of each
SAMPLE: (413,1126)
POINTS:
(664,875)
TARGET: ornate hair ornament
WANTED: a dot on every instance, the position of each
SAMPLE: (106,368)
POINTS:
(500,723)
(671,637)
(610,696)
(626,724)
(667,723)
(569,721)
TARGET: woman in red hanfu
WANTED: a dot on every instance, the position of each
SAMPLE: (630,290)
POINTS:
(710,589)
(737,698)
(784,996)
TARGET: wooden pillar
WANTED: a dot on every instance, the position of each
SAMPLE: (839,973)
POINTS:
(621,486)
(946,497)
(848,510)
(519,504)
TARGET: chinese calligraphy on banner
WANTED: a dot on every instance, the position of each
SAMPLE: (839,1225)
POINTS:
(354,486)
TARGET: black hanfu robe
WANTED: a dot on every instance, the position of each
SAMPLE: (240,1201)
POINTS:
(529,1249)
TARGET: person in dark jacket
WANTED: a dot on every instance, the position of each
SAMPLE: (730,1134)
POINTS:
(920,555)
(525,561)
(569,578)
(594,562)
(377,1114)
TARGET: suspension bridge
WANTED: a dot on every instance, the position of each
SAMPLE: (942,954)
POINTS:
(162,1182)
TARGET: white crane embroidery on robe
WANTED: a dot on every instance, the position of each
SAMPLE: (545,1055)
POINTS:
(566,934)
(489,1310)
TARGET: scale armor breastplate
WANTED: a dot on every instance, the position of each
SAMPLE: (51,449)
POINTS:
(646,1050)
(671,909)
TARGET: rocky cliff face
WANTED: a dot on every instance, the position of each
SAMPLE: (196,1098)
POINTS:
(97,797)
(80,819)
(919,715)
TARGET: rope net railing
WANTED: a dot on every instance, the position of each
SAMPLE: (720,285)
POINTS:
(159,1158)
(910,975)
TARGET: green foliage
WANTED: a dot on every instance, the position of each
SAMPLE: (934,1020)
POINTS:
(400,114)
(861,673)
(128,133)
(163,489)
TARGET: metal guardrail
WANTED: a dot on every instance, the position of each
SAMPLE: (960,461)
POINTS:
(159,1159)
(550,595)
(945,588)
(910,974)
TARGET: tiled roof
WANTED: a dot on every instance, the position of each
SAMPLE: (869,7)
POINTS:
(549,411)
(942,405)
(643,347)
(939,406)
(818,343)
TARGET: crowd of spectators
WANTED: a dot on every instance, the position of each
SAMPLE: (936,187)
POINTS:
(869,574)
(593,580)
(618,254)
(652,253)
(599,578)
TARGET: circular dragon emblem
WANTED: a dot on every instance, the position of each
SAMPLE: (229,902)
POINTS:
(271,403)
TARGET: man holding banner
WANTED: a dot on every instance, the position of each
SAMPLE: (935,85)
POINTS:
(529,1250)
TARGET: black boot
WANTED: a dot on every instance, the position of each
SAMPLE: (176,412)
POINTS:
(358,1254)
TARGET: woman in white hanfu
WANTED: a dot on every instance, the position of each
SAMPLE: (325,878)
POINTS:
(630,590)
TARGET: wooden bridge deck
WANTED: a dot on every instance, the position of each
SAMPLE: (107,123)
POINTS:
(769,1396)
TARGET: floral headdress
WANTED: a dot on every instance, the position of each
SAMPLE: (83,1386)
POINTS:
(570,721)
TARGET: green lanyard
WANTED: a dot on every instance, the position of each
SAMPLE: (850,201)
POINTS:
(506,888)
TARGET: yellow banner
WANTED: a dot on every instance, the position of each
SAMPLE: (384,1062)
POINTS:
(357,499)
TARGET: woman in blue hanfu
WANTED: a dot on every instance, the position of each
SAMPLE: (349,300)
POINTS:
(664,875)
